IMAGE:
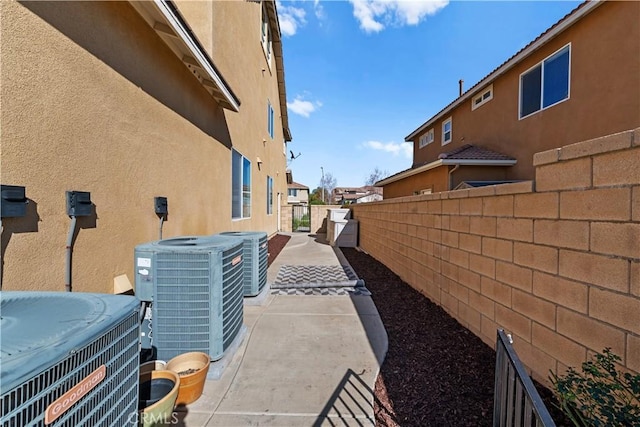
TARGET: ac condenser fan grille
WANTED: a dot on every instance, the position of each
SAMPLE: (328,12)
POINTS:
(183,300)
(110,403)
(232,289)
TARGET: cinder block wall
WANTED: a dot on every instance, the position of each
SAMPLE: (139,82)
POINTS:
(555,261)
(318,216)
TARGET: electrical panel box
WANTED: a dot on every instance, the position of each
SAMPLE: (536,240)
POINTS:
(79,203)
(14,201)
(161,206)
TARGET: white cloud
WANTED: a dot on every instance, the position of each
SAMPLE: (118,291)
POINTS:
(290,18)
(403,148)
(370,13)
(318,10)
(303,108)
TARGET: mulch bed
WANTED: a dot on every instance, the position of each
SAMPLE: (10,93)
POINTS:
(436,372)
(276,244)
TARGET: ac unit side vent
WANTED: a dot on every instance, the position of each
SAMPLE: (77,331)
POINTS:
(112,402)
(255,253)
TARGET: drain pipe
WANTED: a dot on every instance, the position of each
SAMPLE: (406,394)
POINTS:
(67,276)
(456,167)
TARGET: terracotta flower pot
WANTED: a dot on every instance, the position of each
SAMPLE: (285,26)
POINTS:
(157,407)
(192,368)
(153,365)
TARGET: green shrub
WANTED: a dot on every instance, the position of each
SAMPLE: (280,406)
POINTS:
(600,395)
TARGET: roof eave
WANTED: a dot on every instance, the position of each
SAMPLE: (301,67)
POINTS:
(444,162)
(163,17)
(277,52)
(524,53)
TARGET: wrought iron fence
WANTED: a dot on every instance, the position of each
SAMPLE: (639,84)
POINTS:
(516,401)
(301,218)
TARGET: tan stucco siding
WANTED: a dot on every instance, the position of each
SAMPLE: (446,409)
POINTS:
(237,51)
(604,88)
(93,100)
(434,179)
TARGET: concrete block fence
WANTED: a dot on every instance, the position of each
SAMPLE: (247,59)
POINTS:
(554,261)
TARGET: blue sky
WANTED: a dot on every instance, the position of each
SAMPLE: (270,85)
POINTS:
(363,74)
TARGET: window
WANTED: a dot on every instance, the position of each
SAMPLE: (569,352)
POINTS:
(546,84)
(483,97)
(270,119)
(426,139)
(446,131)
(265,37)
(269,195)
(293,192)
(240,186)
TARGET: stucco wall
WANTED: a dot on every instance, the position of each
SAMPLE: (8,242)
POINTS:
(557,266)
(604,88)
(435,179)
(93,100)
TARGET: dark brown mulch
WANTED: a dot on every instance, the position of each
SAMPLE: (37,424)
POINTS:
(276,244)
(436,372)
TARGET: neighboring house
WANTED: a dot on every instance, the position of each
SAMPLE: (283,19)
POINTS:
(129,101)
(297,193)
(348,195)
(577,81)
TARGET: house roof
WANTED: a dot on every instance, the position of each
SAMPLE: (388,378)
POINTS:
(277,52)
(567,21)
(298,186)
(467,155)
(473,152)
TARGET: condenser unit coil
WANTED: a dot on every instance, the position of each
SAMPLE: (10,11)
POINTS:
(256,254)
(69,359)
(195,288)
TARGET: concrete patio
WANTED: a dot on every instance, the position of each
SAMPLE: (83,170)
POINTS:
(311,352)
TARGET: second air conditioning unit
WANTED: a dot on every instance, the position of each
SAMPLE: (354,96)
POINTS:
(195,288)
(69,359)
(256,254)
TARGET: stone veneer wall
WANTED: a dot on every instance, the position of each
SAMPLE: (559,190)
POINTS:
(555,261)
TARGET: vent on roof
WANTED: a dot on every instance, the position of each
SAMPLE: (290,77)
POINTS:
(69,359)
(195,288)
(256,254)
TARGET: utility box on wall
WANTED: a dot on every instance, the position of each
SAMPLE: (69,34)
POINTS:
(14,202)
(79,203)
(161,206)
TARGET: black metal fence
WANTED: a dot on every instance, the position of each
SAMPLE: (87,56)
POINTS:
(516,400)
(301,218)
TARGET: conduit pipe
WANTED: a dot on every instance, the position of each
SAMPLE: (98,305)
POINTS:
(160,230)
(455,168)
(67,276)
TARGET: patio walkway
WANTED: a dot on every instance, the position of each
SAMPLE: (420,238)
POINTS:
(312,350)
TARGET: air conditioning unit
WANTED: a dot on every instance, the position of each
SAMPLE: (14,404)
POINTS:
(256,257)
(69,359)
(194,287)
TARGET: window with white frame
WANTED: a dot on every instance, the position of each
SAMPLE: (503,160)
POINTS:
(270,119)
(269,195)
(265,37)
(446,131)
(425,139)
(293,192)
(482,98)
(240,186)
(546,83)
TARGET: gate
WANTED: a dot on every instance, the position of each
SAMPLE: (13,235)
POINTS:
(516,400)
(301,218)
